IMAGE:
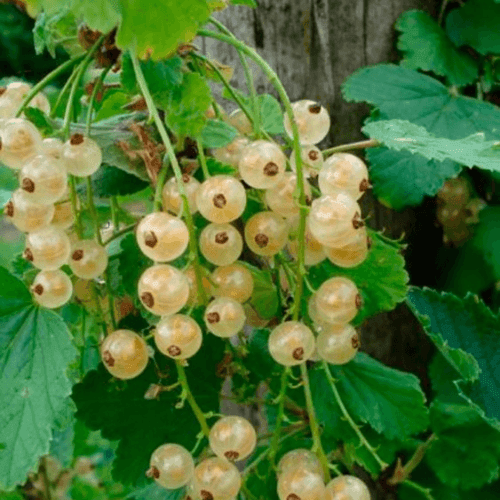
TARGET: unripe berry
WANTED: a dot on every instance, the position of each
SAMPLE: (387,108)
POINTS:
(27,215)
(239,120)
(266,233)
(312,160)
(88,259)
(224,317)
(454,193)
(338,300)
(234,281)
(172,200)
(291,343)
(82,155)
(216,479)
(301,484)
(233,438)
(47,249)
(347,488)
(283,198)
(337,344)
(52,289)
(20,141)
(171,466)
(221,244)
(312,120)
(178,336)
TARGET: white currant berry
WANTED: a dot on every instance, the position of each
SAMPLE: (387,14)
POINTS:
(44,179)
(52,289)
(262,164)
(171,466)
(313,121)
(52,147)
(27,215)
(172,200)
(337,344)
(319,321)
(221,199)
(347,488)
(88,259)
(335,220)
(63,217)
(47,249)
(301,483)
(163,289)
(178,336)
(216,479)
(20,141)
(82,155)
(450,216)
(239,120)
(234,281)
(350,255)
(221,244)
(455,192)
(283,198)
(300,458)
(124,354)
(231,153)
(193,298)
(344,172)
(312,160)
(162,237)
(41,102)
(338,300)
(266,233)
(233,438)
(314,251)
(224,317)
(291,343)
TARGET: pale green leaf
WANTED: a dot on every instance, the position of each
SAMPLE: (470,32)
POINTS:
(217,134)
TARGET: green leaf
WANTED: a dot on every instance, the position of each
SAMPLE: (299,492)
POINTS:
(250,3)
(381,279)
(113,104)
(486,239)
(217,134)
(476,24)
(154,491)
(264,298)
(111,181)
(215,167)
(57,29)
(36,351)
(40,120)
(102,15)
(427,47)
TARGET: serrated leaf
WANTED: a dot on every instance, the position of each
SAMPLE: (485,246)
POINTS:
(427,47)
(51,30)
(36,351)
(111,181)
(217,134)
(381,279)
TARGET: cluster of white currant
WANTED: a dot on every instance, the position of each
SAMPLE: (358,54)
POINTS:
(40,206)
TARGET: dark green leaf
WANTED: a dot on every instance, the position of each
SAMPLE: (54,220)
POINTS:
(486,239)
(40,120)
(111,181)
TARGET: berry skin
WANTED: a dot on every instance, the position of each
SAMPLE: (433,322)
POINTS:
(300,483)
(300,458)
(344,172)
(47,249)
(193,286)
(262,164)
(337,344)
(312,120)
(337,300)
(234,281)
(283,198)
(82,155)
(124,354)
(347,488)
(351,255)
(266,233)
(162,237)
(221,199)
(163,289)
(178,336)
(88,259)
(233,438)
(239,120)
(291,343)
(52,147)
(216,479)
(221,244)
(335,220)
(450,216)
(314,251)
(172,200)
(224,317)
(52,289)
(27,215)
(171,466)
(312,160)
(454,193)
(231,154)
(20,141)
(63,217)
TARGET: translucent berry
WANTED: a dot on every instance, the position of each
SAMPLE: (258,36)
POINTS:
(266,233)
(319,321)
(337,344)
(216,479)
(301,483)
(231,154)
(338,300)
(124,354)
(300,458)
(233,438)
(221,199)
(291,343)
(221,244)
(82,155)
(193,298)
(52,147)
(162,237)
(52,289)
(20,141)
(234,281)
(262,164)
(314,251)
(312,160)
(171,466)
(313,121)
(178,336)
(224,317)
(172,200)
(455,192)
(350,255)
(63,217)
(27,215)
(347,488)
(88,259)
(335,220)
(344,172)
(283,198)
(47,249)
(239,120)
(163,289)
(44,179)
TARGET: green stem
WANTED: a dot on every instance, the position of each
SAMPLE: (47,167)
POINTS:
(63,91)
(95,90)
(349,419)
(273,448)
(370,143)
(119,233)
(92,209)
(160,182)
(317,446)
(73,196)
(424,491)
(203,160)
(113,205)
(45,81)
(190,398)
